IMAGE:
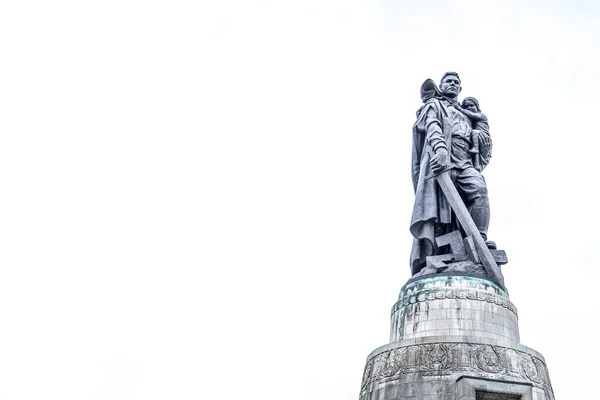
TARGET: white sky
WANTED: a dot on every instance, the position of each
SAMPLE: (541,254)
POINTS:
(210,200)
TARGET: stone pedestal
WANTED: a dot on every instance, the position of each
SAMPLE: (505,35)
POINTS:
(455,338)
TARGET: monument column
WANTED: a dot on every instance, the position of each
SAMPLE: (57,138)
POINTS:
(454,331)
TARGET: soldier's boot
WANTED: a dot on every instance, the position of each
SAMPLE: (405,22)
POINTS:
(481,217)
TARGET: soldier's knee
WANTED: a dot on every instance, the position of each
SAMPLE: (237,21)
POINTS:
(481,192)
(480,197)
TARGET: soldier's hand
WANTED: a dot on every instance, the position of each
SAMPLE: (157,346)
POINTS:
(484,139)
(439,161)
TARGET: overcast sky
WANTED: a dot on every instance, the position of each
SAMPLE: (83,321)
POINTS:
(211,199)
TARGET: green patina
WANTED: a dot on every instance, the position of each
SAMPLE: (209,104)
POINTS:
(448,280)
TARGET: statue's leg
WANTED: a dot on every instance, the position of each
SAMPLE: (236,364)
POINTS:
(481,217)
(471,185)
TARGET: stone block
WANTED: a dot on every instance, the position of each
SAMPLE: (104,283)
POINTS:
(499,256)
(455,240)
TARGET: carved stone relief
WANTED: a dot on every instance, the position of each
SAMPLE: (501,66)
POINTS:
(488,358)
(439,359)
(436,358)
(441,293)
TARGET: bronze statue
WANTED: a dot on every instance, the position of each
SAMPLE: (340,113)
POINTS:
(452,140)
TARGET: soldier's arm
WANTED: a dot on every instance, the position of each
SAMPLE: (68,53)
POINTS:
(435,137)
(472,115)
(433,127)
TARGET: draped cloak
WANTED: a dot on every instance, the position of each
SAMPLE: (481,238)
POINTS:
(431,206)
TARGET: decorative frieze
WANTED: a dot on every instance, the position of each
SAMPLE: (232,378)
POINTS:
(453,293)
(446,358)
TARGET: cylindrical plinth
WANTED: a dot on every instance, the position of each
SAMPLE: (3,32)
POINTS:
(455,338)
(454,305)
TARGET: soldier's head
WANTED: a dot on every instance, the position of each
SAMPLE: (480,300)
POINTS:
(471,104)
(450,84)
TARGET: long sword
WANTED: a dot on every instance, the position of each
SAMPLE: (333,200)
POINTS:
(464,217)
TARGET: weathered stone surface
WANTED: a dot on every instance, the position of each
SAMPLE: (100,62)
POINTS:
(454,338)
(480,389)
(467,267)
(434,367)
(454,305)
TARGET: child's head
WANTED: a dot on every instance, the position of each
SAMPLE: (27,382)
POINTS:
(471,104)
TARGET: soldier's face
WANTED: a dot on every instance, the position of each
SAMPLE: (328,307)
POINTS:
(450,86)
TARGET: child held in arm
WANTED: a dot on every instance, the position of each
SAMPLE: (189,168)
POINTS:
(470,107)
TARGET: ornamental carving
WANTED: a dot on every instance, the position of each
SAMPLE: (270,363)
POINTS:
(459,293)
(379,364)
(532,368)
(438,359)
(395,361)
(488,358)
(367,373)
